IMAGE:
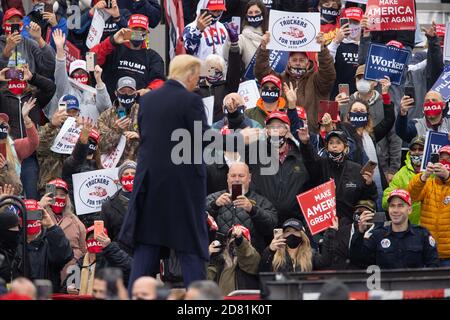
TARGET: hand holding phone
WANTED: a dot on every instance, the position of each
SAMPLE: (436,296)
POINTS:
(434,158)
(91,61)
(277,233)
(344,89)
(15,27)
(410,92)
(98,228)
(236,191)
(369,167)
(50,189)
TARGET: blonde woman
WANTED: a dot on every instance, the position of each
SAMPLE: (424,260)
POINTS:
(290,250)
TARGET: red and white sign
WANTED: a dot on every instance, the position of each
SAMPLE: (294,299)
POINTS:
(319,206)
(391,15)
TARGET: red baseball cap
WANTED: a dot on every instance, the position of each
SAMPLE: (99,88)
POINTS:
(11,13)
(301,113)
(402,194)
(4,117)
(354,13)
(138,21)
(396,44)
(280,116)
(444,149)
(440,30)
(245,231)
(94,134)
(60,183)
(216,5)
(271,78)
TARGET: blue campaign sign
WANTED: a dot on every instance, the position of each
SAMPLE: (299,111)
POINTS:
(277,61)
(442,84)
(385,61)
(433,142)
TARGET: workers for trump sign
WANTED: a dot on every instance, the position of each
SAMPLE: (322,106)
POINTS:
(277,62)
(442,85)
(294,31)
(433,142)
(384,61)
(319,206)
(91,189)
(391,15)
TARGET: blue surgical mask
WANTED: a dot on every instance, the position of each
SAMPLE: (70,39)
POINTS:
(359,119)
(255,21)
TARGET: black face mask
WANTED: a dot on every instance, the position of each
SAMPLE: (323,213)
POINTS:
(92,147)
(235,119)
(292,241)
(270,95)
(126,100)
(255,21)
(281,141)
(9,239)
(137,43)
(3,131)
(329,14)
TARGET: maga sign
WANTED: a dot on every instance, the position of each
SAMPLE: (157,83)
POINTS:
(391,15)
(319,206)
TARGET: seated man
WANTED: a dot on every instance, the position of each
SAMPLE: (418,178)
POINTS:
(396,246)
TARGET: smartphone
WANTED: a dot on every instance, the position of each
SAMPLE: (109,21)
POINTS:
(369,167)
(344,88)
(62,106)
(410,92)
(379,217)
(98,228)
(434,158)
(34,215)
(15,27)
(344,21)
(137,35)
(236,191)
(3,150)
(121,112)
(330,107)
(51,188)
(277,233)
(14,74)
(44,289)
(91,61)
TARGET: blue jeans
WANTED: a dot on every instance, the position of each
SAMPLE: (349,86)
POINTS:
(29,176)
(444,262)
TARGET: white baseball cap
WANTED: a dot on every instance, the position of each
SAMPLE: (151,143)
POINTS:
(77,64)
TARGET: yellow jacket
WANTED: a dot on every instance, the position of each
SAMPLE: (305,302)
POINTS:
(434,195)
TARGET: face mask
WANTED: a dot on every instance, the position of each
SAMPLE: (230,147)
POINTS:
(60,204)
(297,72)
(270,96)
(355,31)
(9,239)
(433,109)
(416,160)
(363,86)
(329,14)
(17,87)
(3,131)
(126,100)
(218,76)
(83,79)
(359,119)
(93,246)
(446,164)
(137,43)
(281,141)
(215,19)
(255,21)
(235,119)
(34,227)
(92,147)
(127,183)
(336,156)
(292,241)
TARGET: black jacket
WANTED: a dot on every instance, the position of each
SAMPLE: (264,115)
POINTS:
(47,256)
(221,89)
(12,104)
(350,185)
(320,260)
(8,251)
(291,5)
(281,188)
(113,212)
(260,221)
(216,177)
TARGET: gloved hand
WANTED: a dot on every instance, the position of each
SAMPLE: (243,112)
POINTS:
(232,29)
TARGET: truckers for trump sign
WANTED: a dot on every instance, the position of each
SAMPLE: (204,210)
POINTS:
(67,137)
(91,189)
(319,206)
(391,15)
(385,61)
(293,31)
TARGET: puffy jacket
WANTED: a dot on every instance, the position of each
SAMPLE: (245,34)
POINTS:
(241,275)
(282,188)
(12,104)
(50,163)
(350,185)
(39,60)
(111,134)
(260,221)
(311,87)
(47,256)
(400,181)
(91,104)
(113,212)
(320,260)
(434,196)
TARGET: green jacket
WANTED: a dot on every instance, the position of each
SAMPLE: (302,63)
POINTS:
(401,181)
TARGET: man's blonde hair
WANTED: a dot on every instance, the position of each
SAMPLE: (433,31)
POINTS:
(183,66)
